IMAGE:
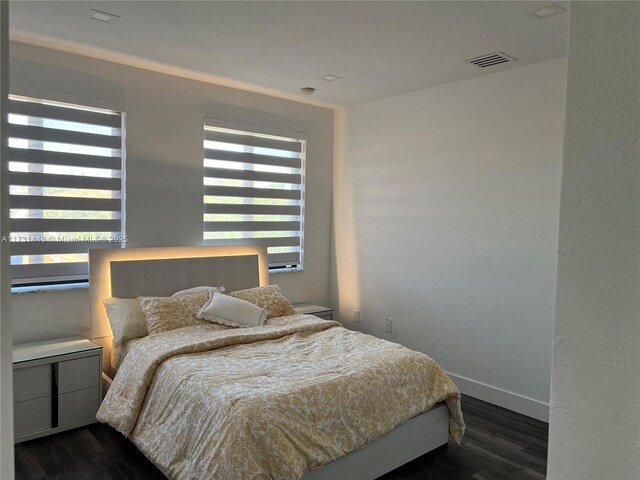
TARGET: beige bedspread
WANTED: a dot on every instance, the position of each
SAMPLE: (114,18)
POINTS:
(268,402)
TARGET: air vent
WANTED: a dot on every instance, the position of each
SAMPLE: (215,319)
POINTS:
(491,59)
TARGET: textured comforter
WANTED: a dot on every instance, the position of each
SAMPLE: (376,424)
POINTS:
(268,402)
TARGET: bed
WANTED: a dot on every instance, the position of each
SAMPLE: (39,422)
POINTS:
(299,397)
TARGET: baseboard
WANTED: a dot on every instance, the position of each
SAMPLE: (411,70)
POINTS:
(503,398)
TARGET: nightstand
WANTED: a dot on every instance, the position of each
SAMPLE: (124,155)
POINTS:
(311,309)
(56,386)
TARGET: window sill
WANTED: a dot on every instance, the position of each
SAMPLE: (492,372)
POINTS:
(49,288)
(82,285)
(285,270)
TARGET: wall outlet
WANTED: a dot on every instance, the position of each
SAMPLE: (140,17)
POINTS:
(356,316)
(388,325)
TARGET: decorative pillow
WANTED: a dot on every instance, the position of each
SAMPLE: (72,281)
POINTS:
(269,297)
(231,311)
(194,290)
(168,313)
(127,321)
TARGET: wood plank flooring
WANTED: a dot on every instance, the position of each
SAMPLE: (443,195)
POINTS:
(498,445)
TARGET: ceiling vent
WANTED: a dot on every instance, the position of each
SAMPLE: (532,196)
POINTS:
(491,60)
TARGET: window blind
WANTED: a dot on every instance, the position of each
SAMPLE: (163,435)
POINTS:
(65,176)
(254,190)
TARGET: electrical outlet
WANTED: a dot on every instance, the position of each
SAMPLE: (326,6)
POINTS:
(388,325)
(356,316)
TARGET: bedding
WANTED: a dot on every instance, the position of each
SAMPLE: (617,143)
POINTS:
(200,289)
(269,297)
(168,313)
(124,349)
(275,401)
(126,320)
(231,311)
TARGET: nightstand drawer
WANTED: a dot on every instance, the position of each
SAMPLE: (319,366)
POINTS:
(32,416)
(78,408)
(78,374)
(57,386)
(32,382)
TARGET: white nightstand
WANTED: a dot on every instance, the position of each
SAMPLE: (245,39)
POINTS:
(56,386)
(311,309)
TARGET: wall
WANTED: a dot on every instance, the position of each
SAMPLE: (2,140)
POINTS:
(595,395)
(446,215)
(164,168)
(6,367)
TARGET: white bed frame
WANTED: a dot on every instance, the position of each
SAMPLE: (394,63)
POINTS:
(131,272)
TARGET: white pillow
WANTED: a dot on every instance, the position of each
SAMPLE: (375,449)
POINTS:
(231,311)
(194,290)
(127,321)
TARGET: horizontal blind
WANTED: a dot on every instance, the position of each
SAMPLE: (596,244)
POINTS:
(254,190)
(65,176)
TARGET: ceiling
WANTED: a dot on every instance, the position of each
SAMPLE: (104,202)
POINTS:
(380,48)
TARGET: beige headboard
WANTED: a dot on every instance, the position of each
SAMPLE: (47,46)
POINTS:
(161,271)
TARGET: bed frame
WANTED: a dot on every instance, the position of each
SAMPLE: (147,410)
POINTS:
(131,272)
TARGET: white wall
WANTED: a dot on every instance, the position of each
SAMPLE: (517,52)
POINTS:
(164,168)
(595,396)
(6,367)
(446,214)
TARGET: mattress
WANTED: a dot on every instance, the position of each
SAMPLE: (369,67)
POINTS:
(268,402)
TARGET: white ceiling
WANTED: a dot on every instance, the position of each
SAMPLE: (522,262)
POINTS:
(380,48)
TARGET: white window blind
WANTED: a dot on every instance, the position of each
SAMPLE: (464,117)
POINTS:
(254,190)
(65,164)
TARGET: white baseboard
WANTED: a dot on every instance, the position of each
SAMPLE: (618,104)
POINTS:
(503,398)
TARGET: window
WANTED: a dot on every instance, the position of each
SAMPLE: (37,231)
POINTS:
(65,164)
(254,190)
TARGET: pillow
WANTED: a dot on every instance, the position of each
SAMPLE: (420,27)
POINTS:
(269,297)
(202,289)
(231,311)
(127,321)
(168,313)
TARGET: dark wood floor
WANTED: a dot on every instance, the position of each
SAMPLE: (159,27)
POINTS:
(498,445)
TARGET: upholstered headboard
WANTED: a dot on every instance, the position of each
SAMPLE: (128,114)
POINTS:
(161,271)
